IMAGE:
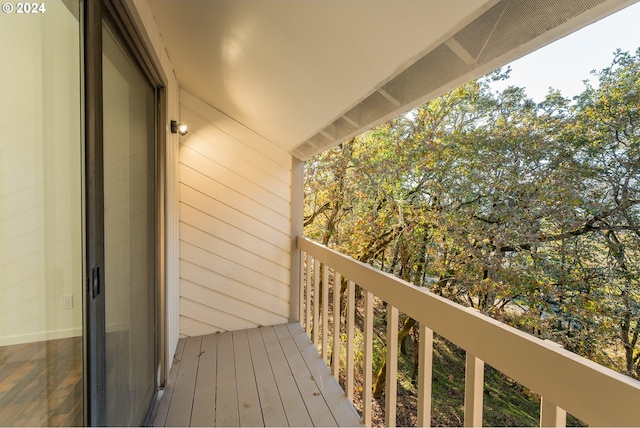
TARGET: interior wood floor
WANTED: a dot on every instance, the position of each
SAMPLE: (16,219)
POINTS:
(267,376)
(41,383)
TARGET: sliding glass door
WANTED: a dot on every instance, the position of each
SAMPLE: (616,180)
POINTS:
(41,233)
(78,218)
(129,123)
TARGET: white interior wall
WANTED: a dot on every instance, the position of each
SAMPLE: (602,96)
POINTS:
(40,177)
(235,205)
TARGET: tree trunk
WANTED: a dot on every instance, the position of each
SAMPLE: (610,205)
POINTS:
(416,360)
(378,388)
(629,336)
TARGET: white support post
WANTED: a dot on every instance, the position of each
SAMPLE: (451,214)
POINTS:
(425,368)
(473,391)
(315,325)
(296,229)
(335,352)
(302,289)
(325,313)
(307,291)
(391,384)
(367,387)
(552,415)
(351,315)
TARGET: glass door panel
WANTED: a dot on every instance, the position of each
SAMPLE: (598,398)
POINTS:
(41,233)
(129,235)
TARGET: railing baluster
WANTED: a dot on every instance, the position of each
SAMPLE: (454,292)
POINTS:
(367,387)
(425,367)
(325,313)
(599,395)
(391,384)
(316,302)
(335,353)
(351,315)
(307,290)
(473,390)
(552,415)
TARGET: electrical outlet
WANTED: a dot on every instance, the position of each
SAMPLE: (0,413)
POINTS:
(66,302)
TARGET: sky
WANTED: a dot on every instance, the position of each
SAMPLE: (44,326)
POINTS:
(565,63)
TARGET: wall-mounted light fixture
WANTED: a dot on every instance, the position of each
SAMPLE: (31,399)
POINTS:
(178,128)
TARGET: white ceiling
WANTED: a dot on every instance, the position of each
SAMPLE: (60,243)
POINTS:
(296,72)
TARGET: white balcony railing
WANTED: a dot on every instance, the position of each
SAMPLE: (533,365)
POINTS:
(565,381)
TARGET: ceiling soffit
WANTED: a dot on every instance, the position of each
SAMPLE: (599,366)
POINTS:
(307,75)
(505,32)
(287,68)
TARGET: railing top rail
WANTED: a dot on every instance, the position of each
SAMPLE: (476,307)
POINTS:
(587,390)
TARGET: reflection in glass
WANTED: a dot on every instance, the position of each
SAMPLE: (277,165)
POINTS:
(129,192)
(41,252)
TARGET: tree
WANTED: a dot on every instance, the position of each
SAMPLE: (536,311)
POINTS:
(528,212)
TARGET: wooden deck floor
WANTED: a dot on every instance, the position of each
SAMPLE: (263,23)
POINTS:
(268,376)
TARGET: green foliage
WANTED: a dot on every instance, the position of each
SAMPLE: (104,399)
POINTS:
(528,212)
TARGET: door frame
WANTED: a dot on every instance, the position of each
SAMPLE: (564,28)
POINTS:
(94,338)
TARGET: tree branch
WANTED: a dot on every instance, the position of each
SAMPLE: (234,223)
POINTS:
(309,219)
(589,226)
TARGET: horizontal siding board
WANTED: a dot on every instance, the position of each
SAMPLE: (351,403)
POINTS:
(261,315)
(225,313)
(204,184)
(211,262)
(234,228)
(239,168)
(203,129)
(233,217)
(235,129)
(226,232)
(190,327)
(233,180)
(276,269)
(218,320)
(23,223)
(18,202)
(219,146)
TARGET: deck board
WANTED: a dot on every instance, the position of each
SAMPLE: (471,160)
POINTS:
(203,412)
(163,408)
(268,376)
(248,401)
(226,389)
(179,414)
(270,401)
(293,404)
(306,380)
(342,411)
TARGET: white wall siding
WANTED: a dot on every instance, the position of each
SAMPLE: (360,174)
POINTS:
(235,208)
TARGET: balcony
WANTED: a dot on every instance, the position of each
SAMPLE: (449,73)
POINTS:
(277,376)
(268,376)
